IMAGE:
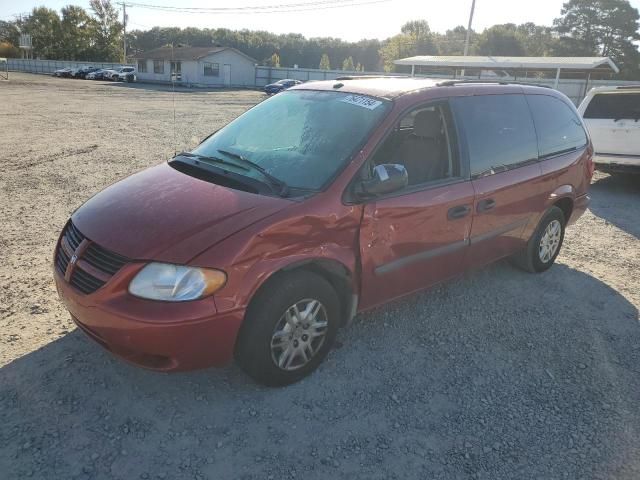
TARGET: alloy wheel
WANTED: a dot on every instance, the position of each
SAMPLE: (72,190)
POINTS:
(550,241)
(299,334)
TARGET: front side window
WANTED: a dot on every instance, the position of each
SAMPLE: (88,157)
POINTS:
(559,129)
(424,143)
(499,132)
(158,66)
(142,66)
(211,69)
(614,106)
(302,137)
(176,67)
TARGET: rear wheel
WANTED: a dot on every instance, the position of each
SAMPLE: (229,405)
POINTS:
(544,245)
(289,328)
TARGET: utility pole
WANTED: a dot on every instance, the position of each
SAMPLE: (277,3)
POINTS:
(466,40)
(124,28)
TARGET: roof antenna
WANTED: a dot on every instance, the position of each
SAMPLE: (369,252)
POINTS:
(173,96)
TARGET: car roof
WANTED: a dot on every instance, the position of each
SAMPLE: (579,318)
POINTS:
(385,87)
(392,87)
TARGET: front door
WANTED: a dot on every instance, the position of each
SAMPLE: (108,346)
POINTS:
(226,69)
(413,241)
(176,71)
(419,236)
(503,158)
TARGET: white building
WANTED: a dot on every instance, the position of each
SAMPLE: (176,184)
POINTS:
(199,66)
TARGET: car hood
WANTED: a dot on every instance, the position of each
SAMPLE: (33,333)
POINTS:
(165,215)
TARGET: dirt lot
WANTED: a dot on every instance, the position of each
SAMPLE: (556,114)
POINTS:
(499,375)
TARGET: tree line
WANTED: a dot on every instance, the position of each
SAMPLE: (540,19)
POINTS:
(72,34)
(583,28)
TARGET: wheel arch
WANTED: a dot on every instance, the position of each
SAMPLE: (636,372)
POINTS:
(566,205)
(339,276)
(562,197)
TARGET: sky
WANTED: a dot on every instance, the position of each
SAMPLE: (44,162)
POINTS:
(352,23)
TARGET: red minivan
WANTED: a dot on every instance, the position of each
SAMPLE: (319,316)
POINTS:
(321,202)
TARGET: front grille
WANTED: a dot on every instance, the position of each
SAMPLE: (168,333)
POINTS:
(102,263)
(103,259)
(74,236)
(84,282)
(62,260)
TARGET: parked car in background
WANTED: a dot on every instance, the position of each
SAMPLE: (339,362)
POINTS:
(612,117)
(62,72)
(96,75)
(110,72)
(127,74)
(76,71)
(280,85)
(82,72)
(326,200)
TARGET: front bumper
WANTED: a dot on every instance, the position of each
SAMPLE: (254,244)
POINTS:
(161,336)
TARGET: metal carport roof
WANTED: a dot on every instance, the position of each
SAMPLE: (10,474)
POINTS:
(514,63)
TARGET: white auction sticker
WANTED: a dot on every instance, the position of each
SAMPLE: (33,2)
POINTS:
(362,101)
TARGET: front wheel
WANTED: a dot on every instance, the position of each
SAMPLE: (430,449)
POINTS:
(544,245)
(289,328)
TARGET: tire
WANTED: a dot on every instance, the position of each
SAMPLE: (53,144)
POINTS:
(534,258)
(268,334)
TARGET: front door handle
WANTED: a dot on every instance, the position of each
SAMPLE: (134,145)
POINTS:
(460,211)
(486,205)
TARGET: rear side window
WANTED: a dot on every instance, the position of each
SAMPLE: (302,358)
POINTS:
(614,106)
(499,131)
(559,128)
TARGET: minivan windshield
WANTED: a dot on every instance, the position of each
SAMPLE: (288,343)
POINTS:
(300,137)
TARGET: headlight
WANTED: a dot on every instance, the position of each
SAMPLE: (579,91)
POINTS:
(176,283)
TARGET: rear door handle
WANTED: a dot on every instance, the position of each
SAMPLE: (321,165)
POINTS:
(459,211)
(485,205)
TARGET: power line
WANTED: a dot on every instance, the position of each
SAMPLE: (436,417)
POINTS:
(279,8)
(246,7)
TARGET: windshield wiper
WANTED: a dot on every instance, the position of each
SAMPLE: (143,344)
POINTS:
(283,188)
(211,159)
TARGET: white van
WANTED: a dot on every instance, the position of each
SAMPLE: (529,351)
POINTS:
(612,117)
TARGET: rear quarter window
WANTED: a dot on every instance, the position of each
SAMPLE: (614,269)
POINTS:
(614,106)
(499,132)
(558,127)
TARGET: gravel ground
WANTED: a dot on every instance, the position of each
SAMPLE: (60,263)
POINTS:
(498,375)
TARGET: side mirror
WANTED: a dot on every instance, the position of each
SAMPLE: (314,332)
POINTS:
(387,178)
